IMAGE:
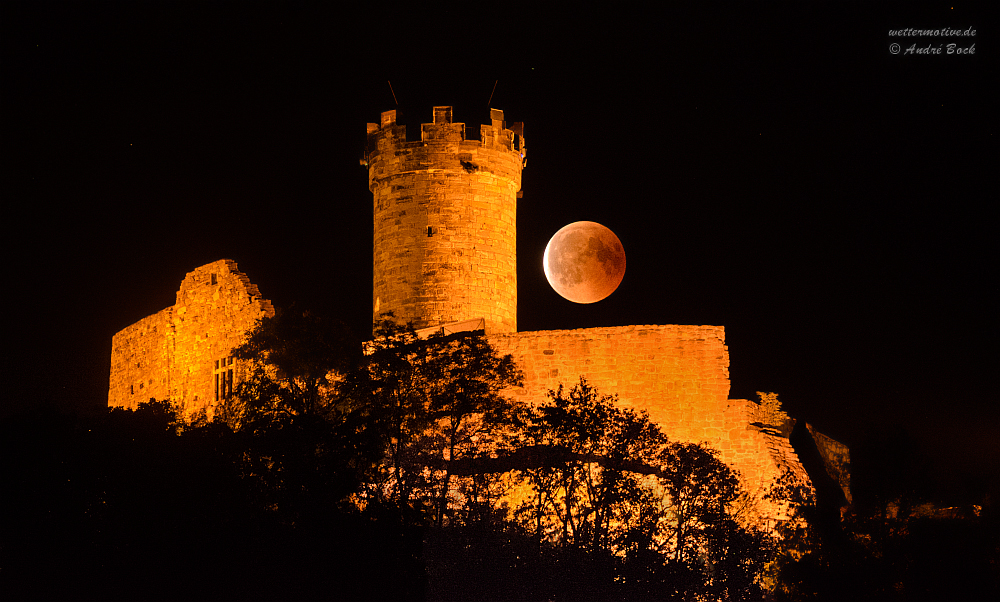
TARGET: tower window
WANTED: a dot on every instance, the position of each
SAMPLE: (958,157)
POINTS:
(214,282)
(430,231)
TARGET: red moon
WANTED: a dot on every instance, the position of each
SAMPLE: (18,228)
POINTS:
(584,262)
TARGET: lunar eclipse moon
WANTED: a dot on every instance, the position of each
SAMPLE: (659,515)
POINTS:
(584,262)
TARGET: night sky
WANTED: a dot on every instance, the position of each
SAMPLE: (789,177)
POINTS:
(772,169)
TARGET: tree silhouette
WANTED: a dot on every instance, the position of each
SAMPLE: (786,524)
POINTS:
(615,510)
(433,402)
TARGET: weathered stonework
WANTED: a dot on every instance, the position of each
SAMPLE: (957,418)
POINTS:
(183,353)
(444,258)
(445,240)
(680,376)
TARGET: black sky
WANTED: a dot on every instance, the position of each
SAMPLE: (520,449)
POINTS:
(772,168)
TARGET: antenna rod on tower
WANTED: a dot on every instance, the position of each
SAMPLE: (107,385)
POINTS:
(394,94)
(491,93)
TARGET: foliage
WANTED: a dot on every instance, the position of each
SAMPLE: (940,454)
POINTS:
(304,451)
(291,362)
(432,402)
(405,458)
(438,445)
(611,491)
(583,495)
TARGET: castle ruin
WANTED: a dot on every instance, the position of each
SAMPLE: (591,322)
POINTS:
(444,258)
(184,352)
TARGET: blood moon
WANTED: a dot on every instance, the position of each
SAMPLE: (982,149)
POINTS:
(584,262)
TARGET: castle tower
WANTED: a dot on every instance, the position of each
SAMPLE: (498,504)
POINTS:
(445,244)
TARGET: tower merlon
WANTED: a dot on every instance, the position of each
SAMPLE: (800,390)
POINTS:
(442,114)
(388,136)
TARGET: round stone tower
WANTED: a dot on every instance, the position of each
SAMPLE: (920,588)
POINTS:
(445,245)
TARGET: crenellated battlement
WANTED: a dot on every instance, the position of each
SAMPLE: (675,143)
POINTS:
(496,134)
(443,146)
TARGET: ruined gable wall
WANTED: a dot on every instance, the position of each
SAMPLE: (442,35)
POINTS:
(177,348)
(678,374)
(216,307)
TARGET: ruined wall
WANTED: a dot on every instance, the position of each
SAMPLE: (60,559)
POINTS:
(183,353)
(678,374)
(445,240)
(140,361)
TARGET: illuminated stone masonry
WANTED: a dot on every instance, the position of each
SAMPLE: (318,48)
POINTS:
(444,257)
(679,375)
(445,208)
(183,353)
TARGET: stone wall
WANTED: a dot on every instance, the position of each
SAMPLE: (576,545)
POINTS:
(140,361)
(679,375)
(445,239)
(183,352)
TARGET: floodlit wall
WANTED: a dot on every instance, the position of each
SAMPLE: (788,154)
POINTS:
(140,361)
(183,353)
(445,238)
(679,375)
